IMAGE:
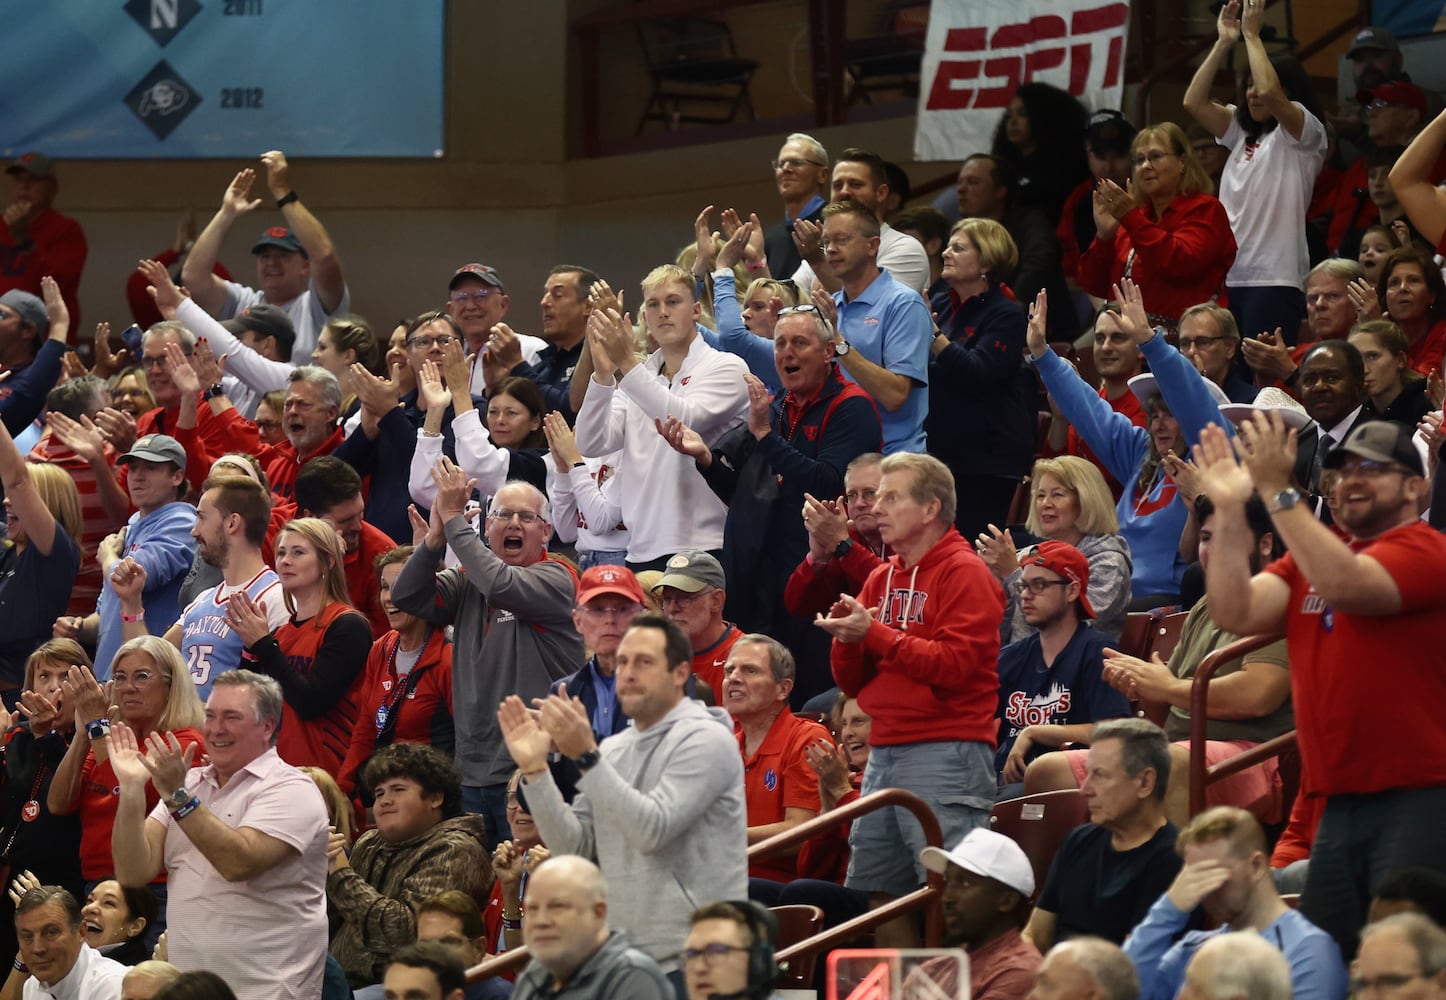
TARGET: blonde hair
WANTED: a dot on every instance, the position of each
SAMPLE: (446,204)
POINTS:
(324,541)
(786,291)
(1096,506)
(1195,180)
(998,253)
(183,705)
(665,274)
(337,805)
(58,493)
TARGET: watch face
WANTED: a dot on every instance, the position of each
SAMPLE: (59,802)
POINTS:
(842,347)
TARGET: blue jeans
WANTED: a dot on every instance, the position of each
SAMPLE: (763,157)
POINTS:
(489,802)
(602,557)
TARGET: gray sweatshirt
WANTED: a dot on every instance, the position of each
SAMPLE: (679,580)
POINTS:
(513,635)
(664,817)
(1109,591)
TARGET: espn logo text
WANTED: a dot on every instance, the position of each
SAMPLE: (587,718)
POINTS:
(982,69)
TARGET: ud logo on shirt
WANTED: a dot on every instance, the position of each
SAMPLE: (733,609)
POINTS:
(770,779)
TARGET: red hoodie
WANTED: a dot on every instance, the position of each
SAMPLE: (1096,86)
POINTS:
(927,670)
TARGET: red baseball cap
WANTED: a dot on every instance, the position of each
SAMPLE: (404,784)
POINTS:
(1401,92)
(1066,560)
(601,580)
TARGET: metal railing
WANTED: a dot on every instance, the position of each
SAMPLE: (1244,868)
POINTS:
(927,896)
(1200,774)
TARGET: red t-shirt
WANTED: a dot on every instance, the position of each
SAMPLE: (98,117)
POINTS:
(708,661)
(777,778)
(1369,689)
(99,798)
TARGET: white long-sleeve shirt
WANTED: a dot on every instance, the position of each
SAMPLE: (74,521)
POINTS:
(663,498)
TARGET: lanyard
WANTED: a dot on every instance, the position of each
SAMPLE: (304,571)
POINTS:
(401,688)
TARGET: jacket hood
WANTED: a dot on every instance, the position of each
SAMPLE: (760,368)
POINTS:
(468,825)
(945,548)
(685,709)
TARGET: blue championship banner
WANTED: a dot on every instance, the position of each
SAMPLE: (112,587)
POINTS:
(222,78)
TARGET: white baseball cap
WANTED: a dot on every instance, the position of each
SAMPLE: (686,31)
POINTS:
(986,853)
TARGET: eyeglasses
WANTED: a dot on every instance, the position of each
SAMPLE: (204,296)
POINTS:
(681,598)
(1378,105)
(794,163)
(1038,586)
(710,953)
(1152,158)
(268,425)
(867,495)
(525,516)
(478,296)
(152,361)
(1387,982)
(841,241)
(140,678)
(426,343)
(1190,343)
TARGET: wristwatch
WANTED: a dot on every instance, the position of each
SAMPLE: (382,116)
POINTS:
(1285,499)
(216,390)
(178,798)
(841,347)
(98,729)
(842,548)
(588,760)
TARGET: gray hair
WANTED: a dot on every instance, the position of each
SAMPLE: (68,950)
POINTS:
(1426,939)
(1245,967)
(1105,963)
(803,138)
(1224,319)
(322,379)
(1143,744)
(78,397)
(780,660)
(186,337)
(43,895)
(544,509)
(1337,267)
(266,691)
(820,325)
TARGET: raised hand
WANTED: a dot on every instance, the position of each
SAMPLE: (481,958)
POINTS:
(22,884)
(683,439)
(84,694)
(167,761)
(1250,21)
(162,289)
(237,200)
(526,740)
(613,332)
(704,237)
(55,308)
(82,437)
(209,368)
(1034,333)
(1133,319)
(1363,296)
(507,863)
(1267,446)
(182,373)
(1269,356)
(126,759)
(42,713)
(826,306)
(429,384)
(601,297)
(1227,25)
(827,760)
(247,618)
(1222,477)
(736,249)
(1185,475)
(128,580)
(377,395)
(561,442)
(107,364)
(847,621)
(808,238)
(996,548)
(827,524)
(117,427)
(420,528)
(453,489)
(760,407)
(277,173)
(1196,881)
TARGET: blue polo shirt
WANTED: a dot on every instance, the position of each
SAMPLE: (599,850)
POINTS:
(889,324)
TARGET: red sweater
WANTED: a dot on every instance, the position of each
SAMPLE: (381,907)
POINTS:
(361,576)
(424,714)
(284,463)
(1180,259)
(926,671)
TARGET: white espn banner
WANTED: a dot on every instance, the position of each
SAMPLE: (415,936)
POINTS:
(979,51)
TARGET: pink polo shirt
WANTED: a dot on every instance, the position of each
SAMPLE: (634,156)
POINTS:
(266,936)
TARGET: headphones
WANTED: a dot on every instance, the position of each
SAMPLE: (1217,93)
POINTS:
(763,926)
